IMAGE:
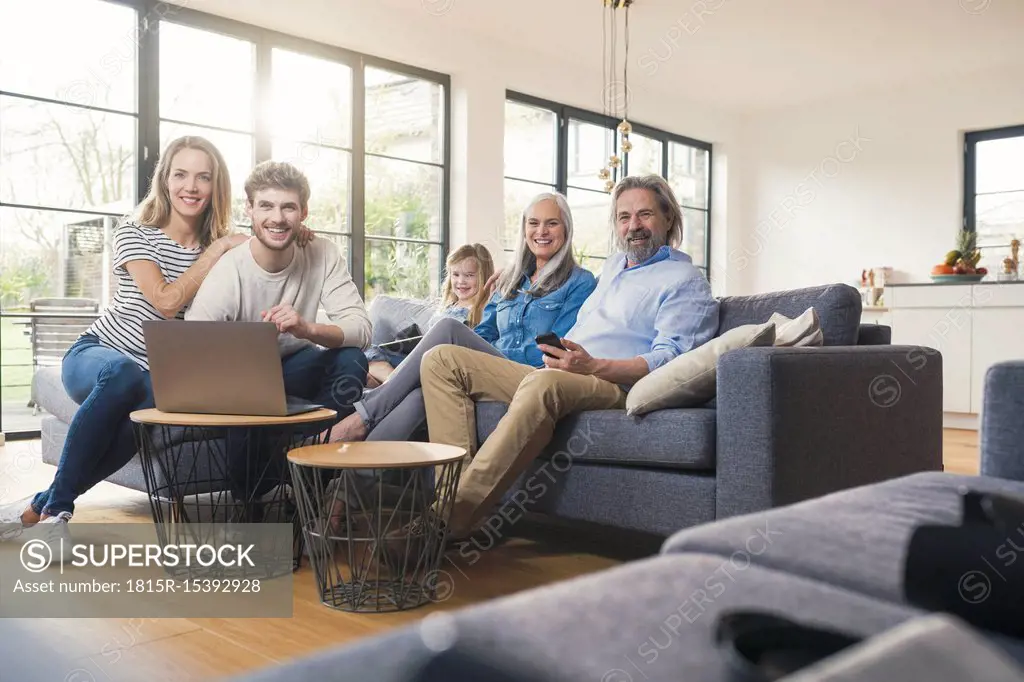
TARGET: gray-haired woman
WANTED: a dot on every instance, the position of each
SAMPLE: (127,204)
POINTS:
(542,292)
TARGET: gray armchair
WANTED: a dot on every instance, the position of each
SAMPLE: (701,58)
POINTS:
(1002,421)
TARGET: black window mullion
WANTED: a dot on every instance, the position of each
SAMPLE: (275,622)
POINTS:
(147,147)
(357,208)
(707,218)
(664,159)
(446,178)
(970,182)
(562,151)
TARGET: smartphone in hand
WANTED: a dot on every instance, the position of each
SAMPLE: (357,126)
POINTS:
(550,339)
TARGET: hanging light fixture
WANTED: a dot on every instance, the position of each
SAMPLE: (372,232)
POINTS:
(616,92)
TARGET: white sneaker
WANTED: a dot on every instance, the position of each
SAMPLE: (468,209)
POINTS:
(11,512)
(52,530)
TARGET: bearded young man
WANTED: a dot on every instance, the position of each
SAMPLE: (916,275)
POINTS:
(270,279)
(651,305)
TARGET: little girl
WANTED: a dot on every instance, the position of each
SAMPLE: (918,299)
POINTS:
(462,297)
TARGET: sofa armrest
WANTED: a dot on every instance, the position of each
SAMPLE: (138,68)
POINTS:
(797,423)
(874,335)
(1002,421)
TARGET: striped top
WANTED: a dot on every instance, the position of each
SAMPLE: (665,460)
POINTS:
(120,326)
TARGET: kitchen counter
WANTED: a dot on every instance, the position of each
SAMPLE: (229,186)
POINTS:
(951,283)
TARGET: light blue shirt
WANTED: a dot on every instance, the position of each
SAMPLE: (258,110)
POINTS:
(657,310)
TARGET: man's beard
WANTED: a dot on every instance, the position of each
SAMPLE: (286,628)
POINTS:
(262,236)
(639,252)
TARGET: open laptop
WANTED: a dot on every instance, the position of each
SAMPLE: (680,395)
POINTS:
(218,368)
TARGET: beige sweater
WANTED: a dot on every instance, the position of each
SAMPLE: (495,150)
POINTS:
(237,289)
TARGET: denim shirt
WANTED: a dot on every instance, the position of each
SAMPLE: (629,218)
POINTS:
(512,325)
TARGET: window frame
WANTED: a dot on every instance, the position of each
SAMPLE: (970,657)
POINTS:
(149,14)
(971,140)
(565,112)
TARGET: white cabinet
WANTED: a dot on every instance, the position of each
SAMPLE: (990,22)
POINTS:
(973,326)
(998,333)
(932,327)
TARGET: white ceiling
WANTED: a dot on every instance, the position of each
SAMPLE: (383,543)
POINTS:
(756,54)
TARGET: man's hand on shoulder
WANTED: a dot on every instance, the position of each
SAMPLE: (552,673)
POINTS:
(574,358)
(288,320)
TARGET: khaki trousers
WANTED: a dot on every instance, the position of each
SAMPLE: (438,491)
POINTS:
(454,378)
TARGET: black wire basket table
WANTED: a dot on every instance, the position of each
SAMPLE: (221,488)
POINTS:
(204,472)
(372,516)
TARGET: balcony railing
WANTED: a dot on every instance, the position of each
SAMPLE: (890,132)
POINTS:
(30,340)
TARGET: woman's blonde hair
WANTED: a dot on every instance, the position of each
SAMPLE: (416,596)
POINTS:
(155,209)
(485,268)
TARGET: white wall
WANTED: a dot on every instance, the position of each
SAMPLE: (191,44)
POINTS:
(868,180)
(481,71)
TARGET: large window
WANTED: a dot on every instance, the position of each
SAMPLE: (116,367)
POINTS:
(549,146)
(994,188)
(87,104)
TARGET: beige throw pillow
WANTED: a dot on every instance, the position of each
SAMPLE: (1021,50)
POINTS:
(690,379)
(801,331)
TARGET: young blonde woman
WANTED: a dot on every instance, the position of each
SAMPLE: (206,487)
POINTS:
(161,255)
(463,298)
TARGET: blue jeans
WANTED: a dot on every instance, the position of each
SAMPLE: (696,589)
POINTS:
(108,386)
(333,377)
(378,354)
(394,410)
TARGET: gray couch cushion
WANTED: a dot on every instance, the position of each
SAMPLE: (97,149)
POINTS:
(671,439)
(652,620)
(48,391)
(838,307)
(855,539)
(633,498)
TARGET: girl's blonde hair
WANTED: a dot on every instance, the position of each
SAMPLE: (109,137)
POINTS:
(485,268)
(155,209)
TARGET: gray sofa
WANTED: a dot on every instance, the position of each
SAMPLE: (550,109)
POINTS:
(787,424)
(836,562)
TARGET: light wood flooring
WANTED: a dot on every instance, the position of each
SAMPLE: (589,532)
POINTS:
(204,649)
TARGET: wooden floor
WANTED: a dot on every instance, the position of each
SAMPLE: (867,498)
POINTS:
(205,649)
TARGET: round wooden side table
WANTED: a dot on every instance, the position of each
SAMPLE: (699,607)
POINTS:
(212,468)
(371,516)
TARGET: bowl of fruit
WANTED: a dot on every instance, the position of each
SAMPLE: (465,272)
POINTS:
(961,264)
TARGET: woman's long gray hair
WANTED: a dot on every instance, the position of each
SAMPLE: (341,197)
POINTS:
(556,271)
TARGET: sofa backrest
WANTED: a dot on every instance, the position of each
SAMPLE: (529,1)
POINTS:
(838,307)
(390,315)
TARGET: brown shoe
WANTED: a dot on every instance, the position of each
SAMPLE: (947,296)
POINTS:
(413,547)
